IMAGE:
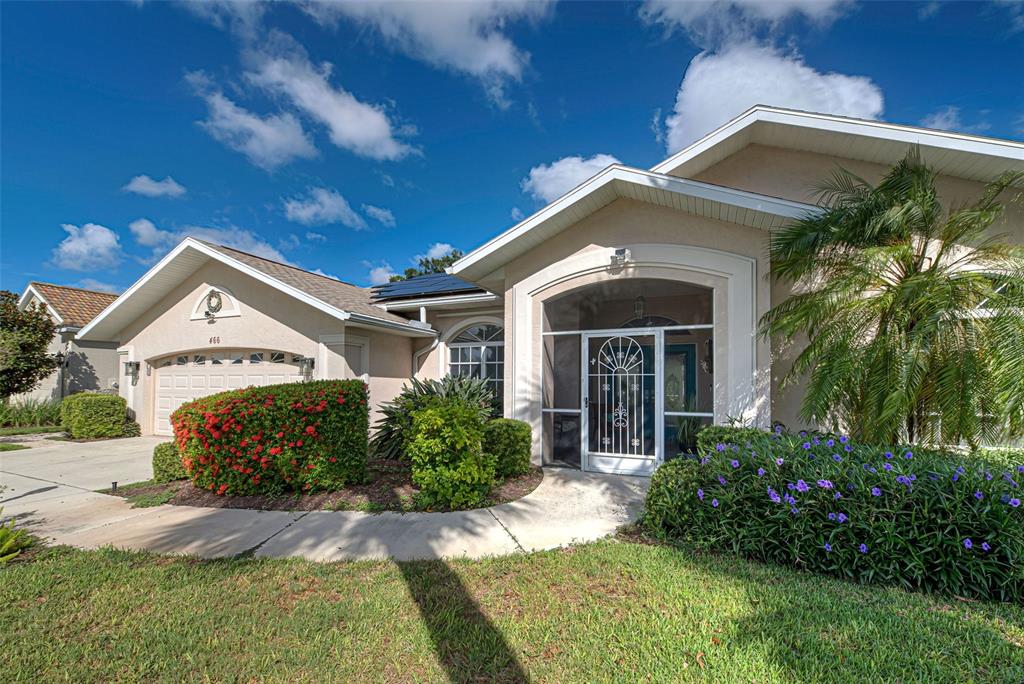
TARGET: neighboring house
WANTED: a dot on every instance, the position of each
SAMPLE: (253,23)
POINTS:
(615,320)
(86,365)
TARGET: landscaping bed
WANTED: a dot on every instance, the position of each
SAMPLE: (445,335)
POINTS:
(390,488)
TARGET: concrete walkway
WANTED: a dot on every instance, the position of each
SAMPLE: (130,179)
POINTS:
(51,492)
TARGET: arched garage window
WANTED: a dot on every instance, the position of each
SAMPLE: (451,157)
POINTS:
(479,352)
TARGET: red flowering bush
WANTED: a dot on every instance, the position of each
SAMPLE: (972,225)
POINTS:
(306,436)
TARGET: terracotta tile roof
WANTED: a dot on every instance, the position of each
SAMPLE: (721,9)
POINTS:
(74,305)
(342,295)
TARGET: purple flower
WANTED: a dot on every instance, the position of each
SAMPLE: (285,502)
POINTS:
(794,510)
(788,498)
(760,472)
(863,548)
(801,486)
(774,495)
(841,518)
(817,441)
(933,476)
(735,463)
(714,503)
(979,496)
(903,480)
(700,494)
(830,443)
(1020,469)
(887,466)
(873,470)
(844,439)
(779,461)
(790,486)
(875,491)
(778,429)
(824,484)
(888,454)
(832,516)
(837,496)
(908,455)
(807,445)
(722,481)
(847,448)
(719,447)
(968,544)
(837,458)
(1014,502)
(988,476)
(985,547)
(828,548)
(956,476)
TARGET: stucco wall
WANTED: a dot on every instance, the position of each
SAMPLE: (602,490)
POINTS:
(269,320)
(448,324)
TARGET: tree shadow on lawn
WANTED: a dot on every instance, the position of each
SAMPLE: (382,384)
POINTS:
(811,626)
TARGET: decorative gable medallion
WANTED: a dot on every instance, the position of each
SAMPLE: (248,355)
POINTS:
(215,302)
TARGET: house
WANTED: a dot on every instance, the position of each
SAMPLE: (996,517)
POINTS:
(85,365)
(616,320)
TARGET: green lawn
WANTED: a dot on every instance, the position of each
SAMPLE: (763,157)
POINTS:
(7,446)
(31,430)
(611,611)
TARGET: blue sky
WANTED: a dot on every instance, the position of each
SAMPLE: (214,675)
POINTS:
(351,138)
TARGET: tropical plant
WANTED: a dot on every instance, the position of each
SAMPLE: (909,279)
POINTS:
(29,412)
(394,429)
(25,337)
(12,541)
(913,312)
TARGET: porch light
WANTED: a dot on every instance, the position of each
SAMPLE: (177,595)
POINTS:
(306,364)
(638,307)
(131,370)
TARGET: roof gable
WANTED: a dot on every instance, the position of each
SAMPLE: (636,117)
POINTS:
(72,306)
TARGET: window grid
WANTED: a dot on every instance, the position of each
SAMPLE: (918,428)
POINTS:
(479,352)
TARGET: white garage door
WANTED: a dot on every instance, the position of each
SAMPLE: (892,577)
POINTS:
(184,377)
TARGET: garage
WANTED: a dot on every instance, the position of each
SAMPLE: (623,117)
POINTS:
(183,377)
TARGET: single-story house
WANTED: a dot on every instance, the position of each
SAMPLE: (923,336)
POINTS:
(86,365)
(615,321)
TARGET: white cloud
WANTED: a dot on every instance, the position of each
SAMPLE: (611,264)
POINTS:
(384,216)
(160,241)
(326,275)
(466,37)
(323,206)
(88,248)
(719,86)
(362,128)
(949,119)
(435,251)
(379,273)
(97,286)
(516,214)
(928,10)
(241,17)
(316,237)
(715,22)
(548,182)
(144,185)
(268,142)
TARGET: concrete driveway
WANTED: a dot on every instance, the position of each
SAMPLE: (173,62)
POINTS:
(51,492)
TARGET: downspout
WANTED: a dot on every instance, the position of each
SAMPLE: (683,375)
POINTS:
(426,350)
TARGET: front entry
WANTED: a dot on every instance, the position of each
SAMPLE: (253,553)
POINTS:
(620,403)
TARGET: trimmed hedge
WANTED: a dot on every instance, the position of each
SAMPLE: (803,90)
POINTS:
(88,415)
(306,436)
(510,441)
(448,463)
(167,463)
(921,519)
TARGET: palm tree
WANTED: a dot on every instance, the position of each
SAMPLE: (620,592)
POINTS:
(914,314)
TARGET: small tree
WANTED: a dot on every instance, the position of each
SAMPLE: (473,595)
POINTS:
(429,265)
(25,336)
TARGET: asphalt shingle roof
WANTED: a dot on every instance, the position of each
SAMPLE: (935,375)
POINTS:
(74,305)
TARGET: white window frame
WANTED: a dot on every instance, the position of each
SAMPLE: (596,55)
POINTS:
(446,358)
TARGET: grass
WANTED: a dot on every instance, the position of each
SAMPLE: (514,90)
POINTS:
(142,499)
(31,430)
(610,611)
(7,446)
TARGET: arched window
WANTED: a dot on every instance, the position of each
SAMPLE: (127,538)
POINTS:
(479,352)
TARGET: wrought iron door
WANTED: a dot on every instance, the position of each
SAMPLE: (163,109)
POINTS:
(620,396)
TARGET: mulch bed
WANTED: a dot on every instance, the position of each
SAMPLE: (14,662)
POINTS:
(390,489)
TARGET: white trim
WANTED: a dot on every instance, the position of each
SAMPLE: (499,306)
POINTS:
(23,302)
(455,331)
(364,354)
(470,265)
(413,304)
(909,135)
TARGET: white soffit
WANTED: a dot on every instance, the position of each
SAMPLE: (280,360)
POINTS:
(689,196)
(953,154)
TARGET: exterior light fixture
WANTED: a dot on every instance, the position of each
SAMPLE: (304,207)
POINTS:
(306,365)
(131,370)
(60,358)
(639,305)
(620,257)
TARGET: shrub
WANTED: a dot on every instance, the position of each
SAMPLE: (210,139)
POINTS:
(710,435)
(167,463)
(304,436)
(394,430)
(91,415)
(510,441)
(920,519)
(12,541)
(131,428)
(448,464)
(29,413)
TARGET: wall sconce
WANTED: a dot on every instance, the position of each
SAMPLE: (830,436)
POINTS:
(306,365)
(708,362)
(620,257)
(131,370)
(639,305)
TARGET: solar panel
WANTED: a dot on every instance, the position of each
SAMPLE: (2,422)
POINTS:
(430,284)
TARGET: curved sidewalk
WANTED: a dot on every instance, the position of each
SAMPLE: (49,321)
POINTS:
(568,507)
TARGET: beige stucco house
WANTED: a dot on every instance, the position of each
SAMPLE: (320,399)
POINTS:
(86,365)
(616,320)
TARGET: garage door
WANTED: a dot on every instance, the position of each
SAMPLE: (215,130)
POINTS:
(184,377)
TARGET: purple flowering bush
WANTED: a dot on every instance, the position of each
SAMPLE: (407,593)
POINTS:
(922,519)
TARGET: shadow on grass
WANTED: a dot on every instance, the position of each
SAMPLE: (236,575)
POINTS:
(468,645)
